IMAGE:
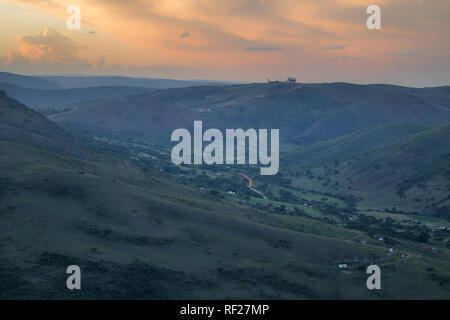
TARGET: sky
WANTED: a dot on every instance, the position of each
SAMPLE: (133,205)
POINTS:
(231,40)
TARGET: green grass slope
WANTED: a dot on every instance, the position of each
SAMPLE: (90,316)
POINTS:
(27,81)
(138,235)
(378,109)
(349,146)
(40,98)
(409,169)
(418,157)
(304,113)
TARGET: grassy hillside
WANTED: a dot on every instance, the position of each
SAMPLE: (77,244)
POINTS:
(44,98)
(406,167)
(27,81)
(377,109)
(349,146)
(304,113)
(19,123)
(22,125)
(349,135)
(70,82)
(140,234)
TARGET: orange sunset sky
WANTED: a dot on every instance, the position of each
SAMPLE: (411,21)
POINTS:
(237,40)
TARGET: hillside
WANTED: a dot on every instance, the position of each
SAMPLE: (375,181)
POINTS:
(140,227)
(346,147)
(27,81)
(25,126)
(377,109)
(138,235)
(71,82)
(400,166)
(41,98)
(304,113)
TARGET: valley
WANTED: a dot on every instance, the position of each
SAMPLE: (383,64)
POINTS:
(364,178)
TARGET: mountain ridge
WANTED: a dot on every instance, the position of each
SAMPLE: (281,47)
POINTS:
(304,113)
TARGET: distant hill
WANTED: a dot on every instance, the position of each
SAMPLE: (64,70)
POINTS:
(69,82)
(414,159)
(40,98)
(378,108)
(304,113)
(404,166)
(349,146)
(27,81)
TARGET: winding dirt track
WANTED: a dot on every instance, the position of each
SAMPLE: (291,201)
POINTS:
(250,186)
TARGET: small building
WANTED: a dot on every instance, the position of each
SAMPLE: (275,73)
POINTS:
(433,250)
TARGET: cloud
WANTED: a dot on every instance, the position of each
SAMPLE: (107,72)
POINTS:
(335,47)
(262,48)
(149,32)
(45,46)
(185,34)
(46,49)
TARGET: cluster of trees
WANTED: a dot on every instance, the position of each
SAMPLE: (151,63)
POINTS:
(389,227)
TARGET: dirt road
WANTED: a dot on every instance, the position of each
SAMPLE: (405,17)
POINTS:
(250,186)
